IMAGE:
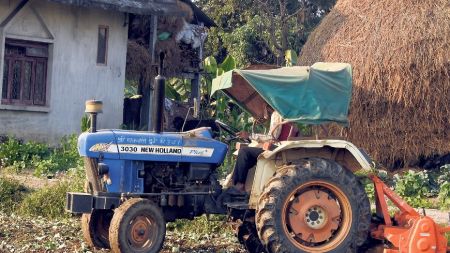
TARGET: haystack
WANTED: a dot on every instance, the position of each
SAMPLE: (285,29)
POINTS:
(178,56)
(400,54)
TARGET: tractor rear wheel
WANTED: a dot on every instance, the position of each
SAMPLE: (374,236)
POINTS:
(138,225)
(95,228)
(313,206)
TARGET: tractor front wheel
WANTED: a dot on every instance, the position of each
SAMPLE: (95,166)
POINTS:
(138,225)
(95,228)
(313,206)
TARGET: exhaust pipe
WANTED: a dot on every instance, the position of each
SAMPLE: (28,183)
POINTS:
(93,108)
(159,89)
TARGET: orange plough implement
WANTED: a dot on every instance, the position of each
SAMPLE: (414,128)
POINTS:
(407,231)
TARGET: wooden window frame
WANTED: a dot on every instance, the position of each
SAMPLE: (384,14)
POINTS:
(11,59)
(106,46)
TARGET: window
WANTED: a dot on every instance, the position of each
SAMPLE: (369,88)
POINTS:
(25,73)
(102,49)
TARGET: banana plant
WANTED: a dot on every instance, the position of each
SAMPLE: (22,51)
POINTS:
(178,89)
(214,70)
(228,64)
(291,58)
(211,67)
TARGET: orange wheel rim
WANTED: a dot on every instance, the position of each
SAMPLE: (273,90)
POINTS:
(142,233)
(317,216)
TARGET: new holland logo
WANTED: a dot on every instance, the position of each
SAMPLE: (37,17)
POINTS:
(152,150)
(100,147)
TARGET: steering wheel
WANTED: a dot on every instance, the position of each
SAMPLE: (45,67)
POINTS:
(227,128)
(230,130)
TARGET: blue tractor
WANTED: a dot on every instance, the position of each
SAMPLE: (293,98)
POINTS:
(302,196)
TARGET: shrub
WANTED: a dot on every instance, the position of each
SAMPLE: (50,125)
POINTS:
(85,123)
(369,188)
(76,178)
(200,227)
(444,196)
(48,202)
(62,158)
(444,187)
(368,183)
(444,174)
(19,155)
(11,194)
(438,177)
(414,187)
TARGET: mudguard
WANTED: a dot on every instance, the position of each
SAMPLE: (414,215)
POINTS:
(360,155)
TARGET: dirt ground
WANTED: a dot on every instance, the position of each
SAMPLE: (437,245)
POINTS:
(23,235)
(37,234)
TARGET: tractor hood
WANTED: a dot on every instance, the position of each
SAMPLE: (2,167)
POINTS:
(309,95)
(196,146)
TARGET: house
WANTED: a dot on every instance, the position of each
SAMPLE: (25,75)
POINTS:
(56,54)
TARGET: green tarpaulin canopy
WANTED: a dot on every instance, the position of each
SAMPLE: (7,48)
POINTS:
(310,95)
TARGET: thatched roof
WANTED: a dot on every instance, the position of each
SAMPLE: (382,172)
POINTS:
(145,7)
(142,7)
(400,54)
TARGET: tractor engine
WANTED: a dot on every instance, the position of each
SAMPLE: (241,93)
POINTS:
(192,187)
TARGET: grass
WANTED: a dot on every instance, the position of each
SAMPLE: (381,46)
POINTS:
(47,202)
(11,194)
(202,226)
(17,155)
(200,232)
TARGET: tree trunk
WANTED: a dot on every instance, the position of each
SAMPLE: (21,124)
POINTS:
(284,29)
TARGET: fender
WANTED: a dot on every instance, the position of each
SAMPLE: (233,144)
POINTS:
(364,161)
(341,151)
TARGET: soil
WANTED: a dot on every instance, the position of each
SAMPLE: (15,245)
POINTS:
(37,234)
(27,179)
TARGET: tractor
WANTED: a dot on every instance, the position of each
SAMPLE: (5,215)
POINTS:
(302,195)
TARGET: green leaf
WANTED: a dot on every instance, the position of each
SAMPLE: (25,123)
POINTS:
(181,87)
(220,71)
(210,64)
(291,58)
(172,93)
(228,64)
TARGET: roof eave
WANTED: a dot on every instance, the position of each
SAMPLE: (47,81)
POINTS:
(149,7)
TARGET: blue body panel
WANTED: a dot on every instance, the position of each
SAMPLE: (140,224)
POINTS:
(146,146)
(126,151)
(124,176)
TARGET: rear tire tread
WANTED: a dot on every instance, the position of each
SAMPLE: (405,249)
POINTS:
(294,175)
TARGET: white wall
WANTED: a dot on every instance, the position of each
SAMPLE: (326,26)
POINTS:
(73,75)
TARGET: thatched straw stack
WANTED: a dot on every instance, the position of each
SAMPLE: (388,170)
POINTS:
(400,53)
(138,57)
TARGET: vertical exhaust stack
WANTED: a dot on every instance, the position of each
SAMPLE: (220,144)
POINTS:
(158,99)
(93,107)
